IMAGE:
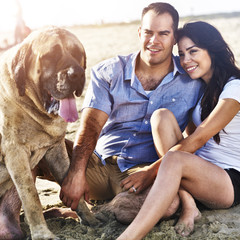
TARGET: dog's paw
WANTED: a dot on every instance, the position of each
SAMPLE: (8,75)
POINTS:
(88,219)
(46,235)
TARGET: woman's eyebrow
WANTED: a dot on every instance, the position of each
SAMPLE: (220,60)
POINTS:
(191,47)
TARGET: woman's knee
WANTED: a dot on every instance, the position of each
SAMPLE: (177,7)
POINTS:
(161,116)
(174,158)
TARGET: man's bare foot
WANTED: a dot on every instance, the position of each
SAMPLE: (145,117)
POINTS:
(56,212)
(185,224)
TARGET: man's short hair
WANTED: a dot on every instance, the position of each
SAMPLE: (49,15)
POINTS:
(161,8)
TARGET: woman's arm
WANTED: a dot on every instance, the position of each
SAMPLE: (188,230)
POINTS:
(221,115)
(191,127)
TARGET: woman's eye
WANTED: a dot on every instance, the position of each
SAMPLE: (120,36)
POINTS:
(193,51)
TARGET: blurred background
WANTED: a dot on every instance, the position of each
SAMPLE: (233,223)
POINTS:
(37,13)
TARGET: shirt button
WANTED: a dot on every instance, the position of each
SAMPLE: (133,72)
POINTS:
(151,102)
(134,134)
(146,122)
(173,99)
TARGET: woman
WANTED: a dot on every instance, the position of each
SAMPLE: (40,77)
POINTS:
(211,174)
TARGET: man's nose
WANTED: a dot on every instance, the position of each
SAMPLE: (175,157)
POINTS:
(155,38)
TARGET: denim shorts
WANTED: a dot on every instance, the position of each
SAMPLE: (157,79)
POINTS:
(235,177)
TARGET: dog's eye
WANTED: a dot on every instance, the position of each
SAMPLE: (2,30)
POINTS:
(76,53)
(53,55)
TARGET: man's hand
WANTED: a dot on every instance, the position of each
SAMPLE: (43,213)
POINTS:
(140,180)
(73,188)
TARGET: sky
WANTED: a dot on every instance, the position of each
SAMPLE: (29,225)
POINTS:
(38,13)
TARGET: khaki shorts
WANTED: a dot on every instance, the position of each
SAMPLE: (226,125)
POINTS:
(104,180)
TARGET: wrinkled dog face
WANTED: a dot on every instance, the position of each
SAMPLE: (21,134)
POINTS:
(55,60)
(62,69)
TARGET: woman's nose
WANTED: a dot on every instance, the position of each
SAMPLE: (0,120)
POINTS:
(186,59)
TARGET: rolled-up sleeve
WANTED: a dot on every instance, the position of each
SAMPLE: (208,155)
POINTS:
(98,94)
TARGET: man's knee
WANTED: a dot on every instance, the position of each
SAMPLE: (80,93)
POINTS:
(126,206)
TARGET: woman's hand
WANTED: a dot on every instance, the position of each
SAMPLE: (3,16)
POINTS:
(140,180)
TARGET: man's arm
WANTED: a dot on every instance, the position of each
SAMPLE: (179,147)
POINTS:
(75,185)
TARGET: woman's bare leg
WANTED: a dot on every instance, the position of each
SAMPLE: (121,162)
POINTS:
(166,133)
(165,130)
(212,186)
(189,214)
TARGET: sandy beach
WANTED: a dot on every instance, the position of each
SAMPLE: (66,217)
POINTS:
(214,224)
(102,42)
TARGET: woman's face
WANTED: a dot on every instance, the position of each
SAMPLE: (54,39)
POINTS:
(194,60)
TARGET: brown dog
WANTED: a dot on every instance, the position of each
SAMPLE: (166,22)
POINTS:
(38,81)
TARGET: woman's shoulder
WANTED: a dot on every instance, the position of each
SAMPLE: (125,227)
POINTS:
(231,89)
(232,82)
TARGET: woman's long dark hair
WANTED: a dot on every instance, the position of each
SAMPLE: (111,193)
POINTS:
(207,37)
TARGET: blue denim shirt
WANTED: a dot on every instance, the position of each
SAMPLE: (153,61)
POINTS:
(116,90)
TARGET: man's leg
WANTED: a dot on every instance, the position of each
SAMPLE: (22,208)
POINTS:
(126,205)
(104,180)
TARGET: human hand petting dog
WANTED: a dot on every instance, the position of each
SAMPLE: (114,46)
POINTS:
(73,188)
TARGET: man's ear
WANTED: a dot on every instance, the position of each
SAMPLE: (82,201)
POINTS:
(139,31)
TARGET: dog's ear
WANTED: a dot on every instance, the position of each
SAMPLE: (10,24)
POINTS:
(19,67)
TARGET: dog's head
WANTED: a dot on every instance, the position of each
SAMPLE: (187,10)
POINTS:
(54,61)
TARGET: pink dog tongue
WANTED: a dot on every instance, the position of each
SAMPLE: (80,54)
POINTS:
(68,110)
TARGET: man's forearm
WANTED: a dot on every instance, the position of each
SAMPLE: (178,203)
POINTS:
(82,151)
(92,122)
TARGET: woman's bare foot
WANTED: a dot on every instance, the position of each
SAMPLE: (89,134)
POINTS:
(185,224)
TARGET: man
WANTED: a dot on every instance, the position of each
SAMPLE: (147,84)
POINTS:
(114,141)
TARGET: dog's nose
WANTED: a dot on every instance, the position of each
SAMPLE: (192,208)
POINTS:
(75,73)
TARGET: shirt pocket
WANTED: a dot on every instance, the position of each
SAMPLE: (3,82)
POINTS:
(179,107)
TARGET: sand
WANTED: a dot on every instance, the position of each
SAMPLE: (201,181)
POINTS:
(214,224)
(102,42)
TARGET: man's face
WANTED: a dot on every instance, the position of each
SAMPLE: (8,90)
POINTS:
(157,38)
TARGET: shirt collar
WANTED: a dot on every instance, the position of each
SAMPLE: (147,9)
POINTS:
(129,72)
(130,66)
(176,65)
